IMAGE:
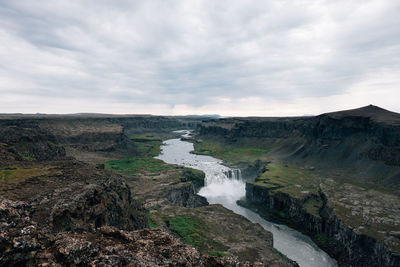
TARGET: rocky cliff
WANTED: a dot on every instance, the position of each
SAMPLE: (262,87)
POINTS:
(185,196)
(344,243)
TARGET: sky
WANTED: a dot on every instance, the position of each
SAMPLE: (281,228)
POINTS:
(233,58)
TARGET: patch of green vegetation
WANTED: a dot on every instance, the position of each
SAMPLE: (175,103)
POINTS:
(27,156)
(132,166)
(148,145)
(148,148)
(231,154)
(12,173)
(313,206)
(194,171)
(217,243)
(5,175)
(294,181)
(194,231)
(280,253)
(151,222)
(217,253)
(191,230)
(145,137)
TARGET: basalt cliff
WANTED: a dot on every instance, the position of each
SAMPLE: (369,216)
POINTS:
(335,177)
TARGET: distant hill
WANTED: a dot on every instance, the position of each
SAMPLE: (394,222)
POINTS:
(373,112)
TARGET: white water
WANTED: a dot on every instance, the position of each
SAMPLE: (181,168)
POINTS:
(220,189)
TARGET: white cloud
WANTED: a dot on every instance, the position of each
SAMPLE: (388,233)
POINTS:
(181,57)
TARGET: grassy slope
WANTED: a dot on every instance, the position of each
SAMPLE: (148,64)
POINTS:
(294,181)
(192,231)
(148,146)
(11,173)
(231,154)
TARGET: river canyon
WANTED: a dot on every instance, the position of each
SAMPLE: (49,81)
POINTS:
(224,190)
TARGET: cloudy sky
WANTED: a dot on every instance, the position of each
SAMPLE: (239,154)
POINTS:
(199,57)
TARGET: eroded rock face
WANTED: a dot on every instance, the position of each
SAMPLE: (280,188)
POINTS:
(28,142)
(98,205)
(346,244)
(185,196)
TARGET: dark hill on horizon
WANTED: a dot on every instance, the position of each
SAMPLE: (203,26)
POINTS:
(373,112)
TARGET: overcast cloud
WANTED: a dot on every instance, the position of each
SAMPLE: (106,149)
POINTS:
(199,57)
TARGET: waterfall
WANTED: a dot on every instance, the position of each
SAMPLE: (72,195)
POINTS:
(235,174)
(238,174)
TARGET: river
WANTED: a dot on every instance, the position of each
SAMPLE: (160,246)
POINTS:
(222,188)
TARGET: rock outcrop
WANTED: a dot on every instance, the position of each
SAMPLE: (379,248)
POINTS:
(185,196)
(110,204)
(348,245)
(22,243)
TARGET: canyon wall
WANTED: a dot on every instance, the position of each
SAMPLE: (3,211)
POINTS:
(347,245)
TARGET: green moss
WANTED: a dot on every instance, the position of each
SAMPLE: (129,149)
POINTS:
(145,137)
(313,206)
(217,253)
(293,181)
(12,173)
(191,230)
(194,231)
(27,156)
(150,221)
(231,154)
(148,148)
(132,166)
(5,175)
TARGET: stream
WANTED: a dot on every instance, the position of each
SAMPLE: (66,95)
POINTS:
(225,186)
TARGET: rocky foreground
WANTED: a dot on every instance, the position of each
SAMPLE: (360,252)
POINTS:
(24,242)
